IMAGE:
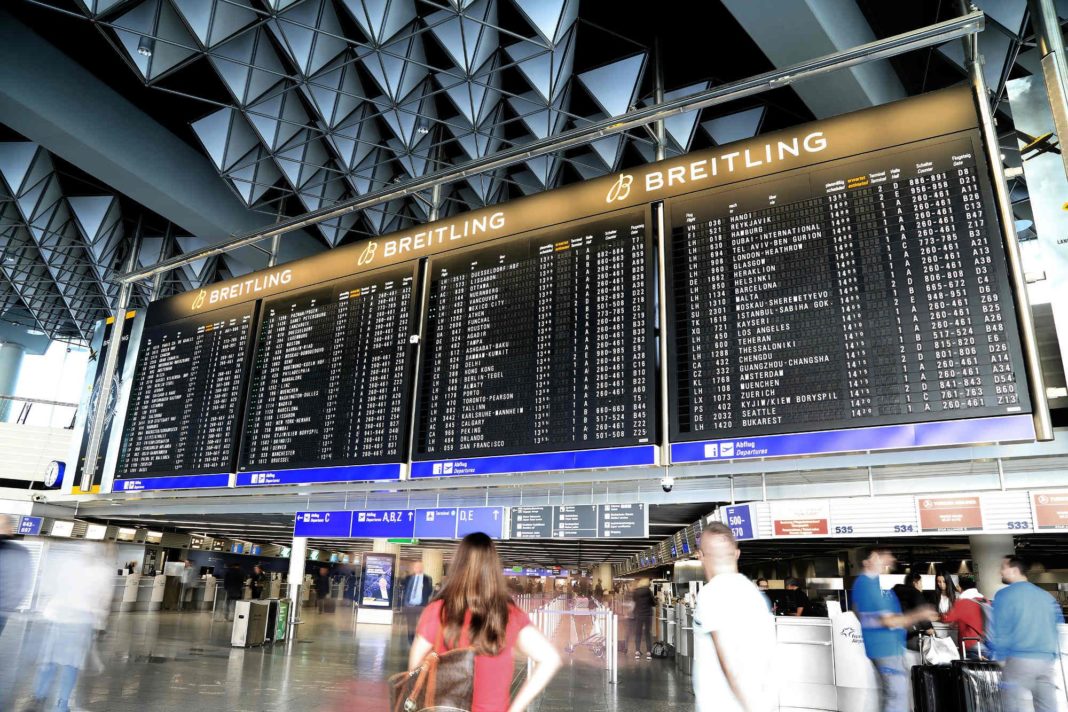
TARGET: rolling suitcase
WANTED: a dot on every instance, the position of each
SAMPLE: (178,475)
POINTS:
(934,688)
(978,685)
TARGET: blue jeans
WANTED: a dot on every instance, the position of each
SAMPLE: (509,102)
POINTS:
(893,683)
(67,677)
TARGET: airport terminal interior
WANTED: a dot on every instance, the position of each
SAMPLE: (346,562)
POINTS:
(542,355)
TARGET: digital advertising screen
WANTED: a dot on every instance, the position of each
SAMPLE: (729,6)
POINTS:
(377,580)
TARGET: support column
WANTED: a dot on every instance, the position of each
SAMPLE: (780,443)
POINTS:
(604,573)
(382,546)
(987,552)
(10,365)
(434,565)
(1047,28)
(298,557)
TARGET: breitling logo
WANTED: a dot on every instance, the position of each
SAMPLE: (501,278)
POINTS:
(199,301)
(620,189)
(368,253)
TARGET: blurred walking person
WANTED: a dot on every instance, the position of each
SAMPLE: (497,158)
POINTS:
(418,588)
(733,632)
(1024,638)
(644,603)
(234,585)
(14,570)
(75,614)
(474,609)
(322,590)
(15,578)
(883,626)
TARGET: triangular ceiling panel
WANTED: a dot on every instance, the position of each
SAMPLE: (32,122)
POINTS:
(476,98)
(91,211)
(615,86)
(680,128)
(311,34)
(399,68)
(226,136)
(380,20)
(278,118)
(546,70)
(214,21)
(248,65)
(470,37)
(735,127)
(336,91)
(256,174)
(356,137)
(541,120)
(549,18)
(16,157)
(157,22)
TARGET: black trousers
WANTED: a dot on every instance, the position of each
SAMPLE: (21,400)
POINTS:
(412,614)
(643,626)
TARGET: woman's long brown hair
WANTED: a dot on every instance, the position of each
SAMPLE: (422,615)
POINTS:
(476,585)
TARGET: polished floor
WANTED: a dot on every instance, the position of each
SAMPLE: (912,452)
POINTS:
(182,662)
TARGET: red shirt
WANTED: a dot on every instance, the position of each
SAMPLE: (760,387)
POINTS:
(968,616)
(493,673)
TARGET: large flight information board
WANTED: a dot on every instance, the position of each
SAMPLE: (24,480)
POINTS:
(184,411)
(330,380)
(541,343)
(867,291)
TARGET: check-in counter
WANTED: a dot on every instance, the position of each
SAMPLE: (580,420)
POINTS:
(804,663)
(683,638)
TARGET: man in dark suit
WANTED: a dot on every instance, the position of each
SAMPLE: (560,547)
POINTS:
(418,588)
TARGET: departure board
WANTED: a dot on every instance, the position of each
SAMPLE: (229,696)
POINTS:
(866,291)
(330,375)
(183,413)
(541,343)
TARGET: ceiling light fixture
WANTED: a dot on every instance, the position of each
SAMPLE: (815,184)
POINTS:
(146,46)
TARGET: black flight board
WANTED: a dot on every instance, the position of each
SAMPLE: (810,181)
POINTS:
(183,417)
(622,521)
(575,522)
(330,376)
(531,522)
(866,291)
(541,343)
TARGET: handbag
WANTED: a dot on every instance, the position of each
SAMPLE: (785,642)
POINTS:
(938,651)
(443,682)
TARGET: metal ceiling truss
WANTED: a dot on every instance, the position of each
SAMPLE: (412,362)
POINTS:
(335,99)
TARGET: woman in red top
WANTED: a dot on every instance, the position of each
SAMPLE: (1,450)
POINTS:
(475,610)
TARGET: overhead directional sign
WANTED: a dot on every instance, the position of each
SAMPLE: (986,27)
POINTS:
(487,520)
(575,522)
(622,521)
(323,524)
(739,517)
(384,524)
(438,523)
(532,522)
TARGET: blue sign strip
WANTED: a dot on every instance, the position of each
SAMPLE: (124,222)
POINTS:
(740,520)
(181,482)
(323,524)
(538,462)
(30,526)
(1005,428)
(383,524)
(439,523)
(314,475)
(488,520)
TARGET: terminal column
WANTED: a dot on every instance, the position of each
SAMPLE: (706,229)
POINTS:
(604,573)
(987,552)
(10,365)
(382,546)
(434,566)
(298,555)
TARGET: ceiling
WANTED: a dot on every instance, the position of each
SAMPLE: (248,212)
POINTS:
(236,113)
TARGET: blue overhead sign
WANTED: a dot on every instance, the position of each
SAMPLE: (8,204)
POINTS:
(383,524)
(439,523)
(739,517)
(30,526)
(488,520)
(538,462)
(323,524)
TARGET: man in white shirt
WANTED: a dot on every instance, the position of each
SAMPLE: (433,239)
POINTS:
(733,632)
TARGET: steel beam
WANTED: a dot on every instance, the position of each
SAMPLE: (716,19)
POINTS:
(931,35)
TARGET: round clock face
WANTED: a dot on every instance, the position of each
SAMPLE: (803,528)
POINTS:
(54,473)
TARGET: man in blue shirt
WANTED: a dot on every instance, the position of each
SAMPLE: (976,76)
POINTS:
(1023,636)
(417,591)
(883,626)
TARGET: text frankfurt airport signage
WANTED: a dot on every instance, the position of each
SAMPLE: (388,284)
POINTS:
(951,513)
(1051,510)
(840,286)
